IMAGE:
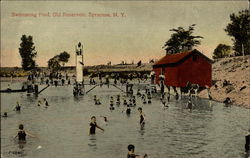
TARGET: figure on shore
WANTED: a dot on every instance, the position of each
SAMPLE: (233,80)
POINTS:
(227,101)
(131,152)
(93,126)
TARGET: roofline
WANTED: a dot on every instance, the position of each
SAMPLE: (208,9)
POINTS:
(183,59)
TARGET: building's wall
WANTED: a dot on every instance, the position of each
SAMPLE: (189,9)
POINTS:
(171,76)
(196,72)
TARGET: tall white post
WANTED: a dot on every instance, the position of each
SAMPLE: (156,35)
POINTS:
(79,63)
(79,86)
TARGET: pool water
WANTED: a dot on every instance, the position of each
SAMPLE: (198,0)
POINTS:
(210,130)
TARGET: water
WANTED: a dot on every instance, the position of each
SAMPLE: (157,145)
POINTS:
(209,131)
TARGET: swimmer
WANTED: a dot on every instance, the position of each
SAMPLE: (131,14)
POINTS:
(134,101)
(165,105)
(142,117)
(111,101)
(97,102)
(39,103)
(18,107)
(95,98)
(131,152)
(125,102)
(5,114)
(128,111)
(93,126)
(46,102)
(22,134)
(112,107)
(190,105)
(138,92)
(149,101)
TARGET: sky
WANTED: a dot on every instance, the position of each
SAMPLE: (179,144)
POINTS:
(137,35)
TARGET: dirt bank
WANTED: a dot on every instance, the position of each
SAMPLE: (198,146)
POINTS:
(236,71)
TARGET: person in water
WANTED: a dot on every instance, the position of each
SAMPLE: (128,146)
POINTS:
(46,102)
(5,114)
(247,144)
(39,103)
(131,152)
(17,107)
(189,104)
(93,126)
(128,111)
(22,134)
(142,117)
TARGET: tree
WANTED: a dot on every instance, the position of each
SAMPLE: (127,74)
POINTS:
(181,39)
(239,30)
(64,57)
(27,52)
(221,51)
(54,63)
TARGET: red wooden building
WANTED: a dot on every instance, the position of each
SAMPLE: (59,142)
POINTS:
(181,68)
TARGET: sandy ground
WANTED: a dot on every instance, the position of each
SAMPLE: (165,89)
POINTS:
(236,70)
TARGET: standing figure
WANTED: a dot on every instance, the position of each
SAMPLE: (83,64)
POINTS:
(93,126)
(142,117)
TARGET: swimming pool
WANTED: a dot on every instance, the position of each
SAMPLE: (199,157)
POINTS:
(210,130)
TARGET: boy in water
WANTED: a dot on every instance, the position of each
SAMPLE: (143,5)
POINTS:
(93,126)
(142,117)
(131,152)
(22,134)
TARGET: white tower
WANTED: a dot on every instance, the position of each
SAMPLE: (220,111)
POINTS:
(79,63)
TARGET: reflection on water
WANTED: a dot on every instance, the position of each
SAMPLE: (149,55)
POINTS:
(210,130)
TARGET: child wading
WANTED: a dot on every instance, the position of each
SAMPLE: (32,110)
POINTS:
(142,117)
(131,152)
(93,125)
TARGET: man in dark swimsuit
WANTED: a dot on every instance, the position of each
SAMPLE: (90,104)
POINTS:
(93,125)
(131,154)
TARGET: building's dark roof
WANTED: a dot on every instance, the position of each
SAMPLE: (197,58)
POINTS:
(173,59)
